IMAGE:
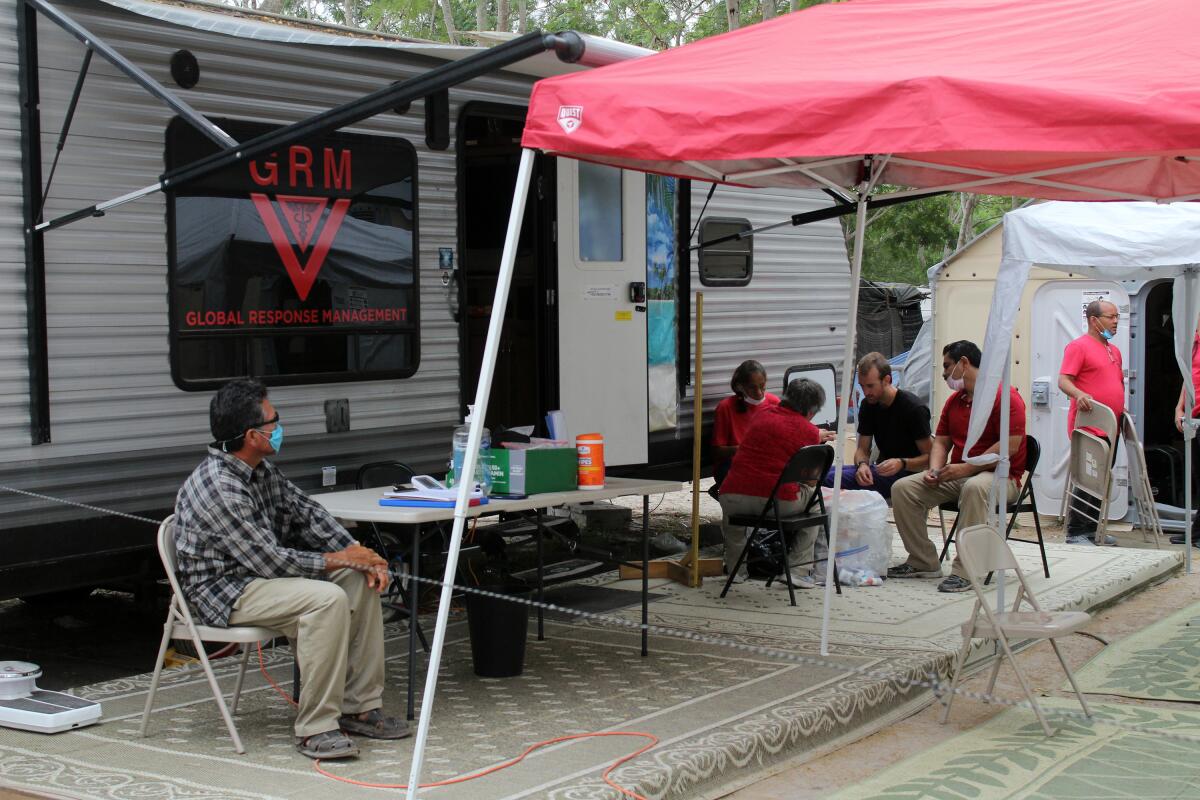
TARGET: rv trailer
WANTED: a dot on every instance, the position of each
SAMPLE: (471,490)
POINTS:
(351,271)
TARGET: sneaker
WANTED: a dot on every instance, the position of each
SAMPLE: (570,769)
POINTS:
(954,584)
(1177,538)
(1084,540)
(798,581)
(909,571)
(1110,540)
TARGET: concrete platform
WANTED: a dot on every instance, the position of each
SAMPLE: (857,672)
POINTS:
(723,714)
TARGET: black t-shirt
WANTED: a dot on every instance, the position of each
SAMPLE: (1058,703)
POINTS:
(897,428)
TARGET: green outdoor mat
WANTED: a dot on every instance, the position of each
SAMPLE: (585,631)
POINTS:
(1161,662)
(1010,757)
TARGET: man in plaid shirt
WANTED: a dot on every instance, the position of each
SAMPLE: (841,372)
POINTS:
(255,550)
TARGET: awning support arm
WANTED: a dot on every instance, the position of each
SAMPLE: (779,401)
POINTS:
(569,47)
(804,218)
(135,73)
(66,128)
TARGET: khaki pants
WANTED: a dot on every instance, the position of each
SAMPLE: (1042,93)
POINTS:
(912,499)
(336,627)
(735,535)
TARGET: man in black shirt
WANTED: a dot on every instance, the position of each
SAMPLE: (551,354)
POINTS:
(895,420)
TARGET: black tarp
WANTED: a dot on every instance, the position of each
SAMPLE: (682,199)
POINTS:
(889,317)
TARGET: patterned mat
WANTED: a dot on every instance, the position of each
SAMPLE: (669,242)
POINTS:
(722,715)
(1010,757)
(1161,662)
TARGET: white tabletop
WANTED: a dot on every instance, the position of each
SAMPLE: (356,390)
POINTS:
(362,505)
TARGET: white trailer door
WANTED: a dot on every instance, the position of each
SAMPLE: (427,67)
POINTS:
(1057,319)
(602,332)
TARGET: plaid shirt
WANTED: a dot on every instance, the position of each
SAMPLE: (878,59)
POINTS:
(234,524)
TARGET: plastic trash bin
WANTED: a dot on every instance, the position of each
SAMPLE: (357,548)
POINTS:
(498,630)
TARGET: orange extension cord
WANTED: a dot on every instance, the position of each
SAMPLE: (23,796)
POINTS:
(512,762)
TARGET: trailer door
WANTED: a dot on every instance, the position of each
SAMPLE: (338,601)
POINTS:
(602,331)
(1057,319)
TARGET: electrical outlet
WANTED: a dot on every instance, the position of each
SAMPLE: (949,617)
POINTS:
(329,476)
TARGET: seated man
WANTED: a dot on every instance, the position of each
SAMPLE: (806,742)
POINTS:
(254,550)
(896,420)
(952,478)
(775,435)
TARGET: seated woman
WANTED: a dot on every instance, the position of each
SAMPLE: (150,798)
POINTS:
(733,415)
(775,436)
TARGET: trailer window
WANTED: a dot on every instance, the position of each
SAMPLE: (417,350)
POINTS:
(298,267)
(600,213)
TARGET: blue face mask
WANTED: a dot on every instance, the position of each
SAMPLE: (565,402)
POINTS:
(276,437)
(1107,334)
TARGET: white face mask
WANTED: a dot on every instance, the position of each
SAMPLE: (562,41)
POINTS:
(752,401)
(955,384)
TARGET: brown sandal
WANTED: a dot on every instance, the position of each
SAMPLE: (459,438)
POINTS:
(330,744)
(375,726)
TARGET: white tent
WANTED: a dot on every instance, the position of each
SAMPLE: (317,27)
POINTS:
(1113,241)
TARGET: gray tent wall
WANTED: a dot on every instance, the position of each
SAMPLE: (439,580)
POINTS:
(123,435)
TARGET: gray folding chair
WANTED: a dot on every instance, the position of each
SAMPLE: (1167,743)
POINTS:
(1100,418)
(180,625)
(983,551)
(1139,483)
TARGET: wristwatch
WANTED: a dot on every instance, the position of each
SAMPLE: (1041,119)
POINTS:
(861,463)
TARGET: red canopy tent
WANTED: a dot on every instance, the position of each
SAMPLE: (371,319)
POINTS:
(1057,99)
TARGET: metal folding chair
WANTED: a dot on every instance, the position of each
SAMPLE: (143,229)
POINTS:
(982,551)
(180,625)
(1139,483)
(1026,502)
(807,464)
(1100,418)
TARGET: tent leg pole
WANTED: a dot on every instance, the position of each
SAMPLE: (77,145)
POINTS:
(697,433)
(860,224)
(482,393)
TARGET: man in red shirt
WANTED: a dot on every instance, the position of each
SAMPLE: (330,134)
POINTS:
(949,477)
(1091,373)
(1180,411)
(775,435)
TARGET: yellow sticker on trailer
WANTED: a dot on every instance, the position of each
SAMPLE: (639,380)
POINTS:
(624,316)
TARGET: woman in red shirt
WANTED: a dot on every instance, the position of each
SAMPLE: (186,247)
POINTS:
(732,417)
(775,436)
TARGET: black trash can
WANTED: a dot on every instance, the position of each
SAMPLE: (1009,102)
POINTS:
(498,629)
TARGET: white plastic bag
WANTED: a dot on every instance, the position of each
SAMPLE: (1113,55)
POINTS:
(863,533)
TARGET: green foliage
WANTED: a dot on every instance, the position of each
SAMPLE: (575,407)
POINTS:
(905,240)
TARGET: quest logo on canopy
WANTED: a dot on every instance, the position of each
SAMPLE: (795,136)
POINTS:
(570,118)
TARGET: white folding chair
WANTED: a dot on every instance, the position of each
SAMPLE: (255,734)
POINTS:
(982,551)
(1088,485)
(179,625)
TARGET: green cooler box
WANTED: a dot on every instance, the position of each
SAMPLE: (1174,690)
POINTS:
(552,469)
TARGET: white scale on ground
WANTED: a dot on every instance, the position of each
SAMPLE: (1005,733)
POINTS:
(24,706)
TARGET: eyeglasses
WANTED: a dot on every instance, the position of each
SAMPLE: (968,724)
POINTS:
(1110,316)
(265,423)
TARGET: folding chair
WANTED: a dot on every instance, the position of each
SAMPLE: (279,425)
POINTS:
(1139,483)
(179,625)
(1100,418)
(807,464)
(1026,502)
(982,551)
(1088,476)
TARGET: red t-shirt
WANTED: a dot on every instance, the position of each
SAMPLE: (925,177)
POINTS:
(1196,372)
(1096,369)
(776,435)
(730,425)
(956,417)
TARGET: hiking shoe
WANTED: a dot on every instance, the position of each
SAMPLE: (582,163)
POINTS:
(909,571)
(327,745)
(798,581)
(1082,539)
(954,583)
(375,726)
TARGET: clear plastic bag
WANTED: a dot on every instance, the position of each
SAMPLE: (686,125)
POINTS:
(863,532)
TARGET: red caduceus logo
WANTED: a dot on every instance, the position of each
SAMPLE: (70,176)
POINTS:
(298,225)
